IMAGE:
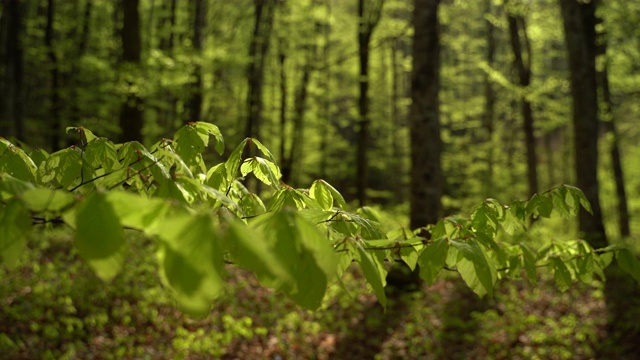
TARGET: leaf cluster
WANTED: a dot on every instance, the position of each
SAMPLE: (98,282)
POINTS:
(298,241)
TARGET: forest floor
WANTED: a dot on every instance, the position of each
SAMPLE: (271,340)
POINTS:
(53,307)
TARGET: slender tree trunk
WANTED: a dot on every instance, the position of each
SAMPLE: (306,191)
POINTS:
(616,162)
(131,113)
(54,109)
(517,25)
(368,19)
(11,116)
(426,144)
(194,104)
(295,151)
(326,94)
(579,24)
(83,39)
(258,49)
(396,150)
(490,99)
(285,161)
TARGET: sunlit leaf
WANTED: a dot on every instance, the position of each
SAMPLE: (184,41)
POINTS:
(99,236)
(102,152)
(44,199)
(481,271)
(320,193)
(191,261)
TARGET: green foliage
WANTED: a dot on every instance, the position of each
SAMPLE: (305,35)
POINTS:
(298,241)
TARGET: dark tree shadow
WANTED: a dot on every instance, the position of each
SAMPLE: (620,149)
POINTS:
(622,294)
(366,338)
(459,332)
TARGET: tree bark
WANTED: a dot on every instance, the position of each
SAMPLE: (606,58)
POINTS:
(490,100)
(368,18)
(295,152)
(285,162)
(11,121)
(131,113)
(517,25)
(194,104)
(610,127)
(258,49)
(580,34)
(426,145)
(76,84)
(54,108)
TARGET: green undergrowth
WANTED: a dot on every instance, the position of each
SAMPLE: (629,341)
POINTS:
(54,307)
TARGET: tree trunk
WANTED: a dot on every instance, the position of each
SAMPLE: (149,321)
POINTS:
(76,84)
(517,24)
(426,145)
(258,49)
(54,109)
(610,127)
(580,35)
(368,19)
(194,104)
(11,117)
(489,101)
(396,150)
(295,151)
(285,161)
(326,93)
(131,113)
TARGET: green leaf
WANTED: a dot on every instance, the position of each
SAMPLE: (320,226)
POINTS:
(217,177)
(321,194)
(484,220)
(481,276)
(432,260)
(137,211)
(541,205)
(190,143)
(305,253)
(373,272)
(102,153)
(86,136)
(15,225)
(249,250)
(11,186)
(64,166)
(15,162)
(579,196)
(336,195)
(409,255)
(47,200)
(210,129)
(252,205)
(370,213)
(99,236)
(264,150)
(38,156)
(232,164)
(561,274)
(192,261)
(265,170)
(529,260)
(629,263)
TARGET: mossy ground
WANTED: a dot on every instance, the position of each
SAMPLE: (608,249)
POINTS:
(53,307)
